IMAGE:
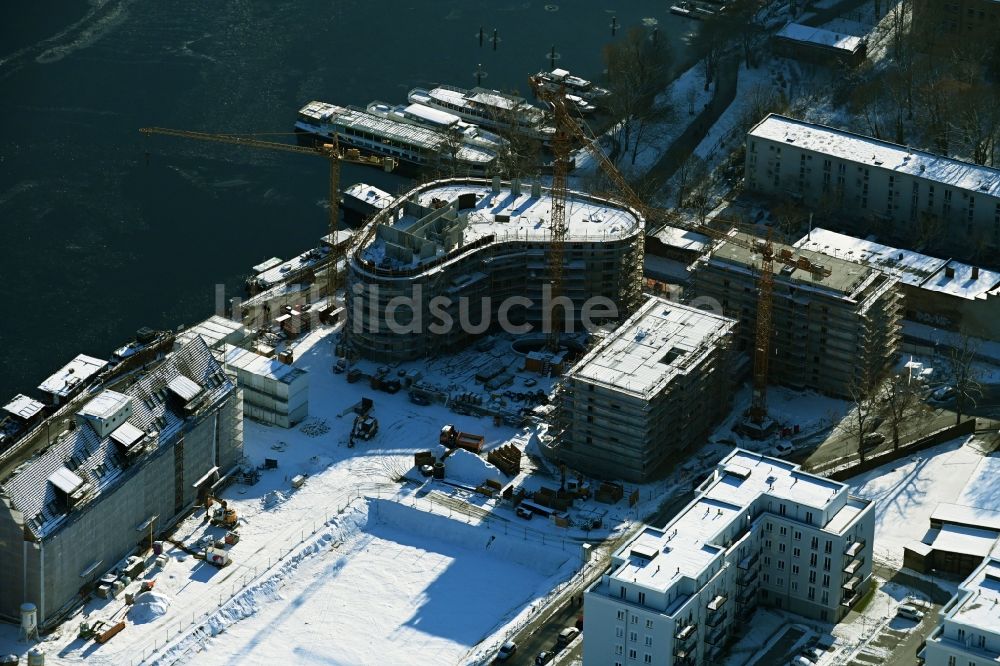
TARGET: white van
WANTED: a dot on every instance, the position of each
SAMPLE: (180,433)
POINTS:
(910,611)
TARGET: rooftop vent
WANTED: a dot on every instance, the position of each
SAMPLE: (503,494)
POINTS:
(949,272)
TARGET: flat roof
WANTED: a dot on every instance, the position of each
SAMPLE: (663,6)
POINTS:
(23,407)
(909,267)
(261,366)
(683,239)
(503,215)
(689,543)
(797,32)
(127,434)
(105,405)
(981,606)
(369,194)
(866,150)
(960,514)
(659,342)
(845,278)
(775,477)
(71,375)
(966,540)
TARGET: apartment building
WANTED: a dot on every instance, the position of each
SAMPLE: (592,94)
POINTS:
(647,392)
(130,464)
(903,192)
(833,330)
(939,293)
(446,262)
(759,532)
(969,630)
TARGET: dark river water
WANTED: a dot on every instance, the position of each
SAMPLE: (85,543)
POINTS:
(103,231)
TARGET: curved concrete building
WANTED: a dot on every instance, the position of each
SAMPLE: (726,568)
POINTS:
(453,259)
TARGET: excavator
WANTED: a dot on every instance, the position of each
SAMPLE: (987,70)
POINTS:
(221,515)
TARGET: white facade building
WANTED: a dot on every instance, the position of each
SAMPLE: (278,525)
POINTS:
(759,531)
(969,630)
(273,392)
(915,194)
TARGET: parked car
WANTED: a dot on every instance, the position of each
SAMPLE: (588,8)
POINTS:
(943,393)
(543,658)
(419,399)
(910,612)
(524,513)
(872,439)
(782,448)
(566,636)
(530,381)
(800,660)
(507,651)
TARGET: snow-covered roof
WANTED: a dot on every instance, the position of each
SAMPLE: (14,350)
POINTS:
(865,150)
(909,267)
(369,194)
(500,216)
(692,540)
(797,32)
(846,279)
(960,514)
(979,607)
(23,407)
(432,115)
(105,405)
(213,331)
(94,459)
(771,476)
(71,375)
(966,540)
(656,344)
(261,366)
(683,239)
(279,273)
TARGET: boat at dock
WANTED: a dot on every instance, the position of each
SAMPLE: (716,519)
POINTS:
(418,146)
(575,86)
(488,108)
(442,121)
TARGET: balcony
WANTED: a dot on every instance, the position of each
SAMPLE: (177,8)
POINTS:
(716,637)
(849,598)
(853,566)
(686,633)
(748,579)
(715,619)
(716,603)
(854,549)
(746,596)
(748,562)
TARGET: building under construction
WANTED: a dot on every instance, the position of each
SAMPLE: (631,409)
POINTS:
(647,392)
(835,324)
(109,471)
(463,249)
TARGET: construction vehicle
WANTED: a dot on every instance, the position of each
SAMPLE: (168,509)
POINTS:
(221,515)
(331,151)
(101,631)
(453,438)
(568,126)
(365,427)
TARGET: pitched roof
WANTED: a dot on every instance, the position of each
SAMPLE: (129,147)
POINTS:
(96,460)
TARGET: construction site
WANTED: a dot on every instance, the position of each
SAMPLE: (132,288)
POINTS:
(649,392)
(835,324)
(395,423)
(477,244)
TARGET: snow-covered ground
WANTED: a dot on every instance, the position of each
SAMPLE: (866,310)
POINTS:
(421,556)
(908,490)
(685,97)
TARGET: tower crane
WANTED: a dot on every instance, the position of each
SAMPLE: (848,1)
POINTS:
(567,124)
(331,151)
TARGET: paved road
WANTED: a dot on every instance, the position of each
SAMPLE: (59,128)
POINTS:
(540,634)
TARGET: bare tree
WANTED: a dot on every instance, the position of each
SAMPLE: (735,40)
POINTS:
(900,400)
(858,421)
(790,215)
(964,376)
(638,69)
